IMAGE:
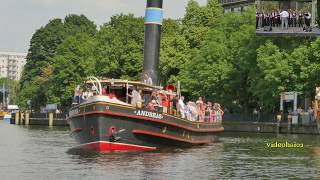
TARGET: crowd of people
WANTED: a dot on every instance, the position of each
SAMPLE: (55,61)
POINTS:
(170,104)
(200,111)
(299,112)
(160,101)
(81,96)
(283,19)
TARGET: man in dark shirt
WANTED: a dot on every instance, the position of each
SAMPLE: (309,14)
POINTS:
(294,15)
(300,24)
(174,102)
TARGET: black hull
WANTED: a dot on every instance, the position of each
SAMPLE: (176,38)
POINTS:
(107,125)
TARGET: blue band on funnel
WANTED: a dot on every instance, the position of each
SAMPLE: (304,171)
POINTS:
(153,16)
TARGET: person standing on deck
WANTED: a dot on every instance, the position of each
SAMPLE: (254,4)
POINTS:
(174,102)
(77,94)
(135,97)
(201,109)
(308,22)
(182,107)
(218,113)
(300,22)
(147,79)
(284,19)
(294,16)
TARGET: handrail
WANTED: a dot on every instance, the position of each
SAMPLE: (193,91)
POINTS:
(91,78)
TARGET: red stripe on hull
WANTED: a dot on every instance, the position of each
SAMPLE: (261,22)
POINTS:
(169,137)
(105,146)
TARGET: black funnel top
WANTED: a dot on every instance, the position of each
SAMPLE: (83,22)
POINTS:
(153,23)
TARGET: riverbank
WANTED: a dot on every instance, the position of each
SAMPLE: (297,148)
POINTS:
(52,119)
(270,127)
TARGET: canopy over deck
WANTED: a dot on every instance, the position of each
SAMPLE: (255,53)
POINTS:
(127,82)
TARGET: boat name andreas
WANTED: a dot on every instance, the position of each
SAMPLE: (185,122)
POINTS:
(148,114)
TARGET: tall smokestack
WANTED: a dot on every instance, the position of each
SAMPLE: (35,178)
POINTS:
(152,33)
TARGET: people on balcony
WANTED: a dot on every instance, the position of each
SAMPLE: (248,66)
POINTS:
(285,18)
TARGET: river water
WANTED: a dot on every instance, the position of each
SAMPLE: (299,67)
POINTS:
(39,152)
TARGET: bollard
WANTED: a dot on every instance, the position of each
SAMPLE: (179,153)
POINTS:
(17,118)
(50,119)
(26,122)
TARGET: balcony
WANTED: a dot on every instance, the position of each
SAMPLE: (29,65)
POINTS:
(234,2)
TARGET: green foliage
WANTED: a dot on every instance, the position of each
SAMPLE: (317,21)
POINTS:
(75,61)
(199,19)
(120,48)
(214,55)
(174,51)
(43,49)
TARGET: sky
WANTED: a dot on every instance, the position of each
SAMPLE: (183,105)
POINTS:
(19,19)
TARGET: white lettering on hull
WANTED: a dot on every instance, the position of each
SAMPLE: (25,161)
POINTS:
(148,114)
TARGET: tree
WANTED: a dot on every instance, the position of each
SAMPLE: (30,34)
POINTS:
(174,51)
(120,48)
(274,77)
(75,60)
(199,19)
(43,49)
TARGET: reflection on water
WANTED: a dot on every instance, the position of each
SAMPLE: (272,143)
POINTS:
(37,152)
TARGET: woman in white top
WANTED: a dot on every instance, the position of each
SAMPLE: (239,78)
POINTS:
(182,107)
(135,97)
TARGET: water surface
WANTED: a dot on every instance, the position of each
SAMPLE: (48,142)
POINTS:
(39,152)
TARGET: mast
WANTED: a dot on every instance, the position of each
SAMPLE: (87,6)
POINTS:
(153,24)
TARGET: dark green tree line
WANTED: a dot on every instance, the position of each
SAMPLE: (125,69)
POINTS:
(214,55)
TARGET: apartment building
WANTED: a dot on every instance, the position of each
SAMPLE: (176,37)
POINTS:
(11,64)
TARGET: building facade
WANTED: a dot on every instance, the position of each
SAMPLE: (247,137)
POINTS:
(235,5)
(11,64)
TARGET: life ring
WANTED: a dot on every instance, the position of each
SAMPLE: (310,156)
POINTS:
(111,133)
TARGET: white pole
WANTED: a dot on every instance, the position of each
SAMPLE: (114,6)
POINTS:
(295,101)
(178,91)
(281,102)
(127,91)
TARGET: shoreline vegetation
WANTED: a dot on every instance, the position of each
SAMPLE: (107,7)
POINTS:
(215,55)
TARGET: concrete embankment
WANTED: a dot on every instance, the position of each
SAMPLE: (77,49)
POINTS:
(44,119)
(52,119)
(270,127)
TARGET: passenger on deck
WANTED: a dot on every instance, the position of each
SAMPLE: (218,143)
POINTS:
(182,107)
(193,111)
(153,105)
(218,113)
(104,90)
(201,109)
(84,96)
(208,112)
(188,111)
(164,103)
(77,95)
(147,79)
(135,97)
(174,102)
(146,99)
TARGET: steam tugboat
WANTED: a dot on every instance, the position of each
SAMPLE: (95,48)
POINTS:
(107,122)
